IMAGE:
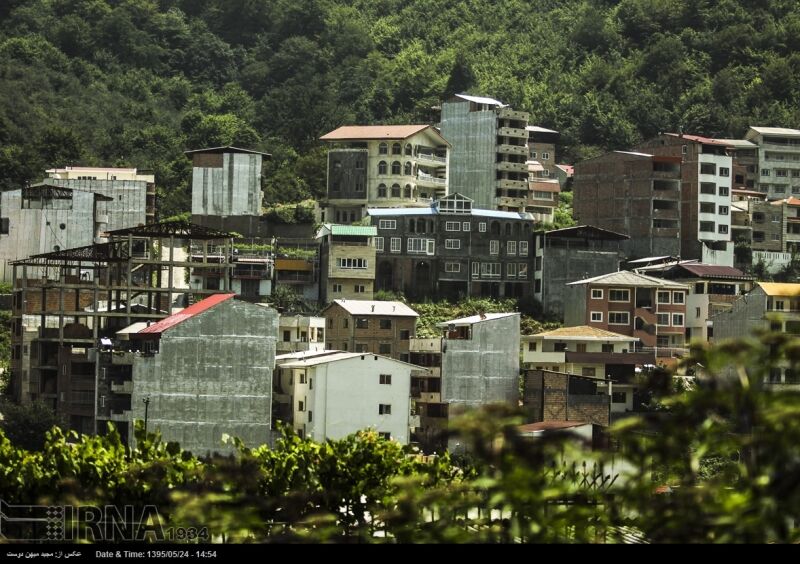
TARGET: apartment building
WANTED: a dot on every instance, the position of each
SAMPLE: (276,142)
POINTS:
(376,327)
(592,353)
(451,249)
(332,394)
(647,308)
(572,253)
(383,166)
(300,333)
(771,305)
(712,290)
(706,181)
(542,149)
(633,193)
(775,225)
(489,154)
(778,160)
(347,262)
(745,166)
(474,363)
(250,275)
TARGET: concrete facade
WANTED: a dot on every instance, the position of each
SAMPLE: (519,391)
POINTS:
(300,333)
(210,375)
(226,181)
(347,262)
(779,160)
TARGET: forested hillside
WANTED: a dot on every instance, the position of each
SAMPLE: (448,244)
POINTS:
(136,82)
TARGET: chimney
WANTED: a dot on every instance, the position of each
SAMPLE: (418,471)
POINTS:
(373,308)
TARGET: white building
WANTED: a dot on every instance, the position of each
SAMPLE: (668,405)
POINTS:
(301,333)
(333,394)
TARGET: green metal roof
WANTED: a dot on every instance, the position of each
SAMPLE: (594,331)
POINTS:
(357,230)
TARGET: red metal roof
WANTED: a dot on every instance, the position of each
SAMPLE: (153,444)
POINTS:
(183,315)
(712,270)
(701,139)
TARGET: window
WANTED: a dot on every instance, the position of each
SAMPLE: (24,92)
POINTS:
(452,267)
(523,248)
(417,245)
(618,397)
(385,348)
(387,224)
(494,247)
(386,436)
(619,295)
(346,322)
(384,409)
(337,288)
(408,149)
(361,347)
(677,319)
(362,323)
(707,207)
(490,269)
(396,168)
(723,210)
(618,318)
(778,307)
(383,149)
(395,190)
(378,243)
(310,416)
(545,156)
(511,248)
(597,294)
(697,312)
(396,149)
(286,337)
(662,297)
(677,297)
(723,229)
(764,172)
(301,406)
(597,317)
(588,371)
(708,188)
(405,335)
(707,226)
(452,226)
(533,154)
(482,227)
(511,270)
(407,169)
(386,379)
(396,244)
(724,190)
(382,167)
(522,270)
(351,263)
(662,319)
(708,168)
(385,323)
(475,269)
(607,348)
(684,149)
(781,172)
(465,226)
(452,244)
(723,171)
(407,191)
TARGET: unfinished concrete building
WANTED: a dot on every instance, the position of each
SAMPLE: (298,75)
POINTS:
(74,298)
(637,194)
(474,363)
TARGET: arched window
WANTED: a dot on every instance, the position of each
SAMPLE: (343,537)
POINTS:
(407,168)
(412,225)
(383,149)
(495,228)
(382,167)
(508,229)
(408,149)
(407,191)
(381,190)
(516,228)
(395,190)
(421,226)
(396,167)
(396,149)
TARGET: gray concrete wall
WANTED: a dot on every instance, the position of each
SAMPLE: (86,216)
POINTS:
(128,207)
(575,305)
(746,314)
(562,266)
(211,376)
(472,167)
(233,189)
(483,369)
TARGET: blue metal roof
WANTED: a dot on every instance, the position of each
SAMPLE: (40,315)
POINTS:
(395,212)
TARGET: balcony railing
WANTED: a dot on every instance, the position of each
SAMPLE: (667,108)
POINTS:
(512,149)
(429,179)
(633,357)
(435,159)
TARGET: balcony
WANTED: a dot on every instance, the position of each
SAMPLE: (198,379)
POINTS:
(436,160)
(293,277)
(669,232)
(512,184)
(429,397)
(125,388)
(425,345)
(506,166)
(611,358)
(512,132)
(534,357)
(512,149)
(666,213)
(429,180)
(508,113)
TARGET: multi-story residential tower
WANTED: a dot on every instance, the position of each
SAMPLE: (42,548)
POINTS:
(488,159)
(383,166)
(636,194)
(778,160)
(347,262)
(542,149)
(453,249)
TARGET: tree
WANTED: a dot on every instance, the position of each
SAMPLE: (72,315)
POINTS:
(26,425)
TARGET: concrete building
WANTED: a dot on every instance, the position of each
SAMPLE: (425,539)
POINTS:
(250,276)
(772,306)
(542,149)
(207,371)
(46,218)
(745,166)
(132,191)
(776,225)
(706,180)
(383,166)
(565,255)
(299,274)
(474,363)
(347,262)
(778,159)
(452,249)
(712,290)
(300,333)
(488,159)
(383,328)
(333,394)
(650,309)
(551,397)
(637,194)
(226,189)
(565,173)
(593,353)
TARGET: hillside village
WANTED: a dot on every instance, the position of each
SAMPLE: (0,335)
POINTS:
(228,322)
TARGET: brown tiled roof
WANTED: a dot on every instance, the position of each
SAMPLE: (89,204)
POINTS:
(584,331)
(356,132)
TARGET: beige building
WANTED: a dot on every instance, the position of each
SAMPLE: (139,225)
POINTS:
(778,160)
(347,262)
(383,166)
(300,333)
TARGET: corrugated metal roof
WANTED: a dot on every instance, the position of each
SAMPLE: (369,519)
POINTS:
(780,289)
(354,230)
(634,153)
(472,319)
(714,271)
(375,307)
(699,139)
(584,332)
(775,130)
(480,99)
(336,357)
(390,212)
(739,143)
(581,230)
(189,312)
(360,132)
(625,278)
(226,149)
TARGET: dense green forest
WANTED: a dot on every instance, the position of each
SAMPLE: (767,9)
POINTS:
(136,82)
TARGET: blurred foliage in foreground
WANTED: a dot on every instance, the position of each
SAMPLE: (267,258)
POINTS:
(729,449)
